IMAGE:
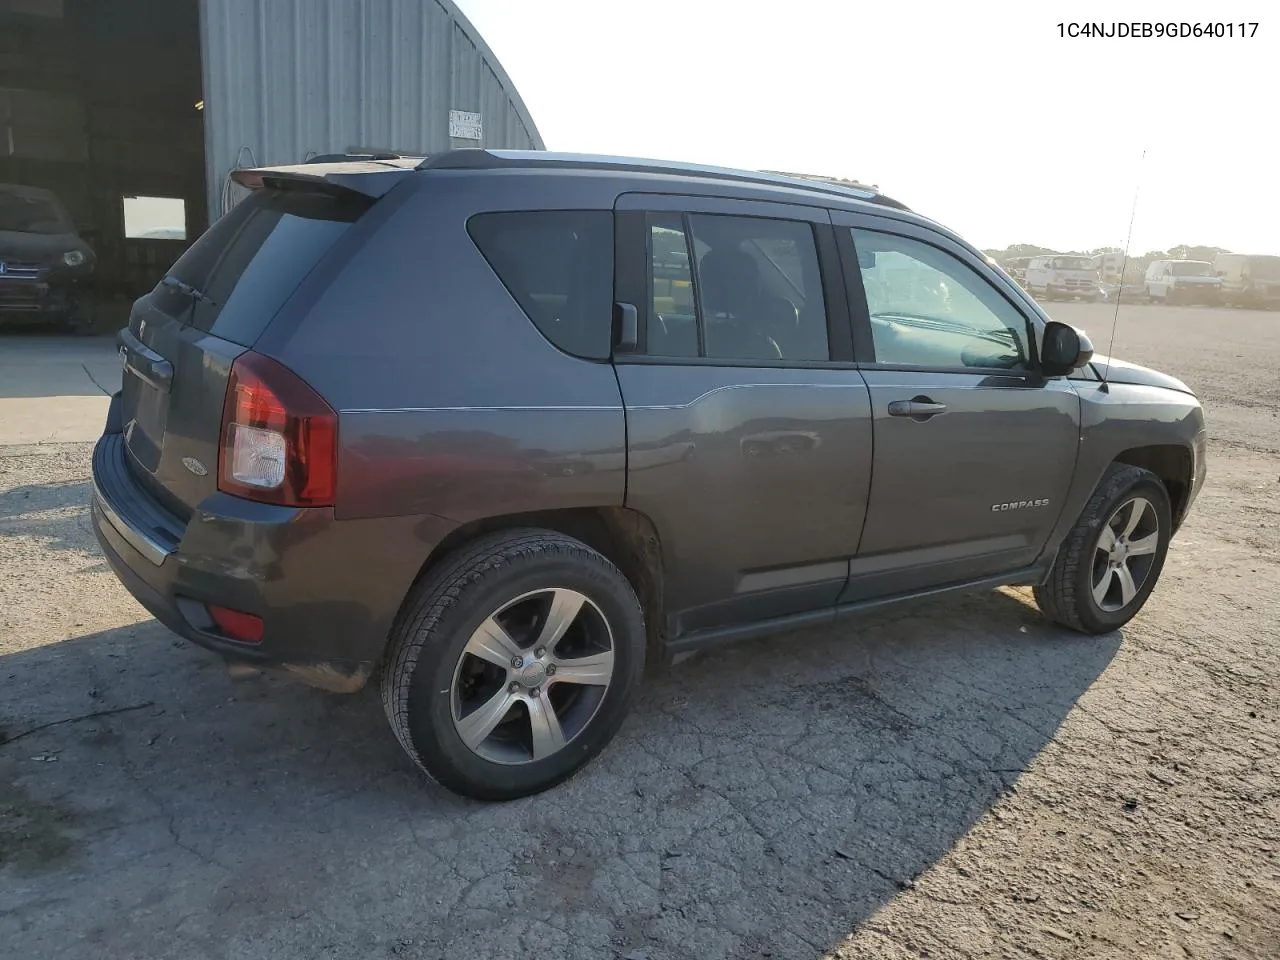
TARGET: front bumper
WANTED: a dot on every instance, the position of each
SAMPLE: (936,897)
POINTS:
(1199,471)
(327,591)
(1084,293)
(37,297)
(1196,294)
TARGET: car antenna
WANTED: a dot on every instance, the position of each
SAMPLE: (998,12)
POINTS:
(1124,265)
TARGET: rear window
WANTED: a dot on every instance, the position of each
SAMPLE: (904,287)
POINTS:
(558,266)
(252,259)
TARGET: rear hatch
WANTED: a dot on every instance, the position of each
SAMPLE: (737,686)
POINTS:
(214,303)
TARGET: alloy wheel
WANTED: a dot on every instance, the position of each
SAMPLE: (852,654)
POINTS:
(1125,554)
(532,676)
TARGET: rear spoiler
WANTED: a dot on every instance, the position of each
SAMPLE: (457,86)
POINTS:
(368,178)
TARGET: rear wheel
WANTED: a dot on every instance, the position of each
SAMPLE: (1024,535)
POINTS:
(1110,561)
(514,664)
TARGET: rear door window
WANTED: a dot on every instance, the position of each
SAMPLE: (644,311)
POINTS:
(734,288)
(252,259)
(558,266)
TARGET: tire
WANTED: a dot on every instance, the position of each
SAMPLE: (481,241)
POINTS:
(436,688)
(1068,595)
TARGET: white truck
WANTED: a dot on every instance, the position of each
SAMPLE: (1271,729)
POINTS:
(1063,277)
(1183,281)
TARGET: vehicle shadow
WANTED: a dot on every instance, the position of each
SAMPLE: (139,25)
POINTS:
(55,513)
(762,798)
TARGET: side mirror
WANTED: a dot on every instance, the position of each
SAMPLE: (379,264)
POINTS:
(1063,349)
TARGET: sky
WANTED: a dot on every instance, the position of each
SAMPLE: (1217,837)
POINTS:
(980,116)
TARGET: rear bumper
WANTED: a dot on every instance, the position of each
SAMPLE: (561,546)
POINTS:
(327,591)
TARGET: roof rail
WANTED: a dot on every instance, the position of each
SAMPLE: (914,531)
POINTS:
(835,181)
(473,158)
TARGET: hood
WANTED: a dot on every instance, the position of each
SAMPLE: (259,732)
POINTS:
(40,247)
(1121,371)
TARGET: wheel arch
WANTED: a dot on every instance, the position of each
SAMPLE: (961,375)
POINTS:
(628,538)
(1174,464)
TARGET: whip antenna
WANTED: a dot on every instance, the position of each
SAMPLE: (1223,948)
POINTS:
(1124,265)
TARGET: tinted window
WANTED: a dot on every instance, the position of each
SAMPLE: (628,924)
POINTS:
(759,288)
(252,259)
(930,309)
(757,284)
(558,266)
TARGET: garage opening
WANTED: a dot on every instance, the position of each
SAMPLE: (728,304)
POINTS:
(101,126)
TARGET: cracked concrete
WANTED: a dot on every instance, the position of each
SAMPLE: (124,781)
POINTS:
(956,778)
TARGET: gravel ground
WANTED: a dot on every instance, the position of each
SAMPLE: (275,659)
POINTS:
(950,779)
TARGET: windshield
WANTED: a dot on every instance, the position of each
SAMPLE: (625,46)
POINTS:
(1264,268)
(27,213)
(1192,268)
(1071,263)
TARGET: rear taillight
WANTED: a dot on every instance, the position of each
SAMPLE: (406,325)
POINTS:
(279,437)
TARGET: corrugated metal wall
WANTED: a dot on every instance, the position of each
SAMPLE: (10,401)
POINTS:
(287,79)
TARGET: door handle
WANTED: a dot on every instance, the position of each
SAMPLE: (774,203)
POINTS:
(626,327)
(918,409)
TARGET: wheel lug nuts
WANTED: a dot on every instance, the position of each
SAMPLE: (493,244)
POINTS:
(551,669)
(535,692)
(517,662)
(512,687)
(541,651)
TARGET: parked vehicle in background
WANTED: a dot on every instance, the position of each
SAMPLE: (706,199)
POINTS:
(1110,267)
(1060,277)
(498,427)
(42,259)
(1183,281)
(1016,267)
(1249,280)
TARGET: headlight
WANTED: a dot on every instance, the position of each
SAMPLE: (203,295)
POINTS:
(73,258)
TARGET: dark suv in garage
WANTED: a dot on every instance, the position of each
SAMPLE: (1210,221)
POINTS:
(43,261)
(498,427)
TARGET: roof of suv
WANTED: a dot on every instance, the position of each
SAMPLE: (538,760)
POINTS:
(342,169)
(473,159)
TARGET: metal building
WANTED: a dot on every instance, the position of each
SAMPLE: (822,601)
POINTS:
(286,79)
(135,112)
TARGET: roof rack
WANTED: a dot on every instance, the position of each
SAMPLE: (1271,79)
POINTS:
(835,181)
(473,158)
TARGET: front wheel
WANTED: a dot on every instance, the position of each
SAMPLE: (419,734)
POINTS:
(514,663)
(1110,561)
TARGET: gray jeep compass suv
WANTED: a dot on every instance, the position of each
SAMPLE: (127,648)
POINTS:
(500,427)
